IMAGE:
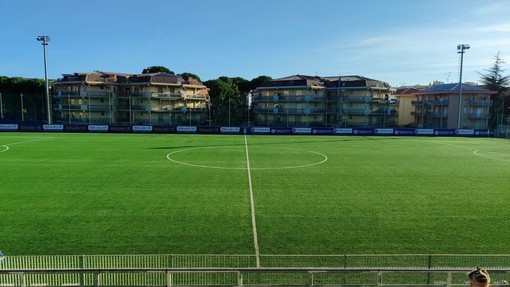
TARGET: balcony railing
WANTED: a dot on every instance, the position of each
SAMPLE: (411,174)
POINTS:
(480,103)
(176,96)
(358,99)
(289,98)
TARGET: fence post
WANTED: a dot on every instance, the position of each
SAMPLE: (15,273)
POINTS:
(379,279)
(239,279)
(310,279)
(169,279)
(449,279)
(430,265)
(22,279)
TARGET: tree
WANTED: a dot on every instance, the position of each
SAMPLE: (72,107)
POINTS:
(186,75)
(495,81)
(157,69)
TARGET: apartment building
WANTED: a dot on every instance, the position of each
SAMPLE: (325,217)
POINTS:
(117,98)
(343,101)
(439,107)
(291,101)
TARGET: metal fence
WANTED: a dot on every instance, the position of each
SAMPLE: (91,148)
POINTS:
(244,277)
(241,270)
(398,261)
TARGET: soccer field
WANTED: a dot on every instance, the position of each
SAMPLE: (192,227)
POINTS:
(210,194)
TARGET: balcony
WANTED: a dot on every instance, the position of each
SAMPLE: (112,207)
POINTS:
(97,108)
(172,96)
(61,94)
(196,97)
(65,107)
(97,94)
(358,99)
(301,111)
(480,103)
(355,112)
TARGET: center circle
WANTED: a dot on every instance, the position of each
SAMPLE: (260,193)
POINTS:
(235,158)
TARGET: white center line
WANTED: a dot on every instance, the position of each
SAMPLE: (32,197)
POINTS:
(252,203)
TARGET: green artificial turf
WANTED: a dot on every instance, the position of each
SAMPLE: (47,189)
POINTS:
(190,194)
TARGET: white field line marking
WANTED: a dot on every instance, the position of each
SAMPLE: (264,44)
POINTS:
(169,157)
(252,204)
(477,152)
(6,146)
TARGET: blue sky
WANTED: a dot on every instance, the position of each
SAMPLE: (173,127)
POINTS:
(402,42)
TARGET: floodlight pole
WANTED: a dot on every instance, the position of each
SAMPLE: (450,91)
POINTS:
(45,40)
(460,49)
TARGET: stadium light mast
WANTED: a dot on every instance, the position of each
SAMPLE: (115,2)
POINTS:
(460,49)
(45,40)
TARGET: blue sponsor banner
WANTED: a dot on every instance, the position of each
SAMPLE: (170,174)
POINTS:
(260,130)
(98,128)
(445,132)
(302,131)
(465,132)
(208,130)
(76,128)
(363,132)
(8,127)
(322,131)
(342,131)
(404,132)
(163,129)
(482,133)
(142,129)
(281,131)
(53,128)
(120,129)
(187,129)
(230,130)
(383,131)
(424,132)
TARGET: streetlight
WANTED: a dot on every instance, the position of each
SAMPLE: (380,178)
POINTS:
(460,50)
(45,40)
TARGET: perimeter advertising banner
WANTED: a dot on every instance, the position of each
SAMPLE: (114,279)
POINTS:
(76,128)
(208,130)
(163,129)
(187,129)
(142,129)
(260,130)
(8,127)
(120,129)
(281,131)
(98,128)
(230,130)
(322,131)
(53,128)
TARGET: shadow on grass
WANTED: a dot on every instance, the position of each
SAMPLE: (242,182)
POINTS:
(337,139)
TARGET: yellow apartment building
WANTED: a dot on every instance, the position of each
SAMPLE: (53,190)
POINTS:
(406,110)
(117,98)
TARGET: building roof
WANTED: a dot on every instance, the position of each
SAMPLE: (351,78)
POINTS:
(295,81)
(354,81)
(454,88)
(407,91)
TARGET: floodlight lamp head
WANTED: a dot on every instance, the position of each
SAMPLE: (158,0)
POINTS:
(462,47)
(43,39)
